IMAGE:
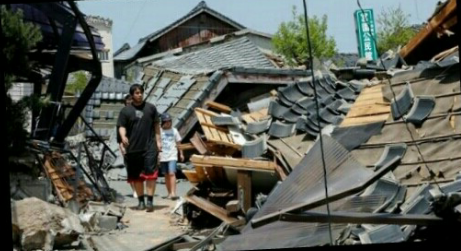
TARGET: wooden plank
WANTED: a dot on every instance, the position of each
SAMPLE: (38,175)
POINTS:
(364,120)
(206,112)
(200,173)
(222,129)
(233,162)
(191,176)
(213,130)
(244,189)
(280,172)
(450,23)
(218,106)
(206,130)
(368,110)
(219,142)
(371,90)
(186,146)
(250,169)
(370,102)
(248,118)
(433,24)
(373,96)
(211,208)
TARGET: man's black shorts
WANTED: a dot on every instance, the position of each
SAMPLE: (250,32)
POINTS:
(142,165)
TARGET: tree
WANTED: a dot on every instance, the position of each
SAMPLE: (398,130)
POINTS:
(79,82)
(291,42)
(19,38)
(394,29)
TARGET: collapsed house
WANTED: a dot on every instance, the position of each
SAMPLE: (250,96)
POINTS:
(390,137)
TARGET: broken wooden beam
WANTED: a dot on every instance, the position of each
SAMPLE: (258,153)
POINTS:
(214,210)
(219,107)
(256,165)
(436,21)
(233,206)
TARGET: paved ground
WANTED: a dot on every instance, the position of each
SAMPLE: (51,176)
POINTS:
(145,230)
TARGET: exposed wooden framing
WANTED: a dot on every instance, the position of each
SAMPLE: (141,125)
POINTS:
(369,107)
(218,107)
(367,218)
(244,189)
(58,170)
(213,209)
(432,26)
(232,162)
(213,133)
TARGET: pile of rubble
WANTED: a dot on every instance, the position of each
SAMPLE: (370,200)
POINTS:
(67,200)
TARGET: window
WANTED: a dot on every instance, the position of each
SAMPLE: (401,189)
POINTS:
(103,55)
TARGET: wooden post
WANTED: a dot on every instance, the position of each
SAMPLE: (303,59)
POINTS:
(244,189)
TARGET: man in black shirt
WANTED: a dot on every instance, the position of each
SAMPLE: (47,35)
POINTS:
(127,101)
(139,128)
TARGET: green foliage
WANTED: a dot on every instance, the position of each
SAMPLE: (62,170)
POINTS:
(291,42)
(18,38)
(79,82)
(393,29)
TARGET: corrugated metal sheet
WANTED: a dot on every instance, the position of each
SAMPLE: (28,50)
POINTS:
(305,183)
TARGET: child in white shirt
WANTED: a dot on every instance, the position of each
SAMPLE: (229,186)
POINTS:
(169,155)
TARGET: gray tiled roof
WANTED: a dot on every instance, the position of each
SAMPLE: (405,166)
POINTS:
(236,53)
(200,8)
(130,53)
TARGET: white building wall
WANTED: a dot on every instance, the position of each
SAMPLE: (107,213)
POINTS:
(104,27)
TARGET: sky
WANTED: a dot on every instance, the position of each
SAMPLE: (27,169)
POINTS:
(134,19)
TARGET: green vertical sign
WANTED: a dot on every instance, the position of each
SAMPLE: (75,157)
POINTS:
(365,23)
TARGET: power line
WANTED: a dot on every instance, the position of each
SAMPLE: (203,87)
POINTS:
(135,20)
(318,121)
